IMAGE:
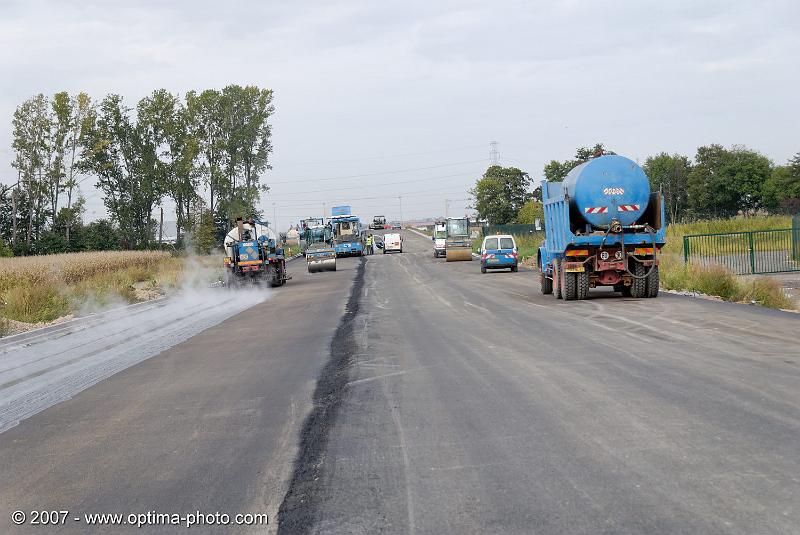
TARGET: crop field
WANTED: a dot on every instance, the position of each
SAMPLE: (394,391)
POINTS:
(36,289)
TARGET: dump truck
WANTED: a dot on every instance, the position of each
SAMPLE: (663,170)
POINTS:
(378,223)
(348,236)
(253,254)
(603,227)
(458,243)
(320,254)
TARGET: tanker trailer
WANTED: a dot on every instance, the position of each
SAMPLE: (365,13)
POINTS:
(252,253)
(603,227)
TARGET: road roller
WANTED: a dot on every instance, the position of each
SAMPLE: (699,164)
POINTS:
(458,244)
(320,254)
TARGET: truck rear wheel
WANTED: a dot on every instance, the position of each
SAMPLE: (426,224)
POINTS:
(639,283)
(570,286)
(583,285)
(546,284)
(557,279)
(652,283)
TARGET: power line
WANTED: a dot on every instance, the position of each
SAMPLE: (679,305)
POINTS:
(375,174)
(384,156)
(382,184)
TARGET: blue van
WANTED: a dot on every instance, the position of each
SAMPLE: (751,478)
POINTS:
(499,251)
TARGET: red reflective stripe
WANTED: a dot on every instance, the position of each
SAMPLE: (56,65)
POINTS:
(596,210)
(628,208)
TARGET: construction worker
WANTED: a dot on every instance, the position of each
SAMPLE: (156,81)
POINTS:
(370,241)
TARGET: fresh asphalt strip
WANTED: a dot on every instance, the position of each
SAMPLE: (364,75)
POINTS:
(297,513)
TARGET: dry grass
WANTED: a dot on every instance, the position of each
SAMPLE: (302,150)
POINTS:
(42,288)
(719,281)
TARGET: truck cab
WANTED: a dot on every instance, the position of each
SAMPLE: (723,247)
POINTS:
(378,223)
(348,236)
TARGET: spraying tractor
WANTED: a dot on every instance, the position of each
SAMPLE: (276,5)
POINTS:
(253,254)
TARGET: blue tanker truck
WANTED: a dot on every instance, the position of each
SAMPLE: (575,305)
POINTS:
(603,227)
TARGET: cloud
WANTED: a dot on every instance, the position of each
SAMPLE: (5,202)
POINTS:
(360,78)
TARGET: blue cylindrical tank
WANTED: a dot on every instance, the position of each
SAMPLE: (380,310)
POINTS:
(606,188)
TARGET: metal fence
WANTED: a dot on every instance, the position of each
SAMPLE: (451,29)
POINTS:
(747,253)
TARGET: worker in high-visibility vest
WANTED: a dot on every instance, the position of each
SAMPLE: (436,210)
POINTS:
(370,241)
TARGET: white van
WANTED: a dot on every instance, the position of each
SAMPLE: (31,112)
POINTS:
(439,239)
(392,242)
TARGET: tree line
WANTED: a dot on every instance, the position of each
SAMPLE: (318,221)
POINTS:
(205,152)
(718,182)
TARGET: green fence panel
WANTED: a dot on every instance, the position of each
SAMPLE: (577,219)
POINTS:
(746,253)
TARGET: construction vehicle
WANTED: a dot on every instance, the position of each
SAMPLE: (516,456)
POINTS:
(439,238)
(348,236)
(305,224)
(458,243)
(252,253)
(320,254)
(603,227)
(378,223)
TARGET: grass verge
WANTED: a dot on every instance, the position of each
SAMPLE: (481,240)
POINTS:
(720,282)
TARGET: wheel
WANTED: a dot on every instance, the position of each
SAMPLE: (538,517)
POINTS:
(624,290)
(515,268)
(384,251)
(582,280)
(545,283)
(483,269)
(570,286)
(652,283)
(639,284)
(557,281)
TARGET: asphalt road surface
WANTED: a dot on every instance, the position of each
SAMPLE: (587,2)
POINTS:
(404,394)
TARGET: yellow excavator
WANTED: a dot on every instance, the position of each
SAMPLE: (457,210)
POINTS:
(458,244)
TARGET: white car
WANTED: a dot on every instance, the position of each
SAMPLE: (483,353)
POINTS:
(392,242)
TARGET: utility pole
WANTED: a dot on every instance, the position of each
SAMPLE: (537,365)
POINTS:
(494,154)
(446,207)
(400,197)
(161,228)
(14,217)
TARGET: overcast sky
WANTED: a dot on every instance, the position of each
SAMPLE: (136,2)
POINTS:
(411,93)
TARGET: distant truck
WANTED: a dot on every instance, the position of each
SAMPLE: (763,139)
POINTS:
(439,238)
(378,223)
(348,236)
(603,227)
